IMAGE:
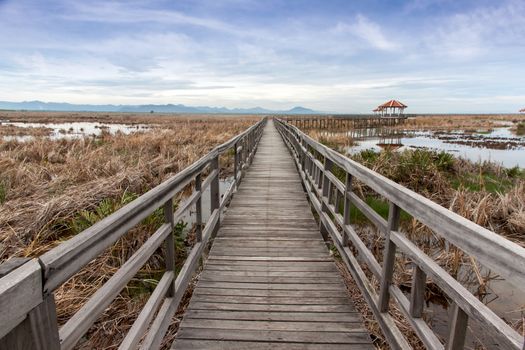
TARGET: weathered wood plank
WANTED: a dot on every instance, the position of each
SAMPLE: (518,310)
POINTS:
(190,344)
(20,291)
(291,326)
(269,276)
(281,336)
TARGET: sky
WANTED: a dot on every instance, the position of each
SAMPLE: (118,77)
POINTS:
(436,56)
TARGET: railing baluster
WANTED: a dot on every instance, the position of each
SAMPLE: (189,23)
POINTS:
(458,329)
(389,258)
(417,294)
(170,243)
(347,203)
(215,195)
(235,164)
(325,195)
(198,209)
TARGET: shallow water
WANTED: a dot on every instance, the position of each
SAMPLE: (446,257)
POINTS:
(481,145)
(75,129)
(191,215)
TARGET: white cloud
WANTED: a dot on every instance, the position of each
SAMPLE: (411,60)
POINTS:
(369,32)
(481,32)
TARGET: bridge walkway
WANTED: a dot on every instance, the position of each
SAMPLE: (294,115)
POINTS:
(269,281)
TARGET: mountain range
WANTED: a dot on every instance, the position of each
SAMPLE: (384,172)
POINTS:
(166,108)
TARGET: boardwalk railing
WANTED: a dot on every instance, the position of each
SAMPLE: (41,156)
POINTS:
(352,121)
(27,307)
(316,162)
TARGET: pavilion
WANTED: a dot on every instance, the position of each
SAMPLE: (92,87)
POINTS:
(391,108)
(522,110)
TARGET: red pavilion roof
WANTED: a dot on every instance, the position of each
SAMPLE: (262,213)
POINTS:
(392,103)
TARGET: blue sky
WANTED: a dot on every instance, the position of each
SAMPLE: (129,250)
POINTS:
(343,56)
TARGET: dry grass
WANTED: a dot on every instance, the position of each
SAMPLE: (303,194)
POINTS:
(461,121)
(52,189)
(337,141)
(13,130)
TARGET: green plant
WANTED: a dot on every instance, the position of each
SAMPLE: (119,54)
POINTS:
(87,218)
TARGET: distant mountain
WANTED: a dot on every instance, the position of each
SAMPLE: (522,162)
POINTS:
(167,108)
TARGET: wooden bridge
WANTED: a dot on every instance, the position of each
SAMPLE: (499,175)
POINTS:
(268,280)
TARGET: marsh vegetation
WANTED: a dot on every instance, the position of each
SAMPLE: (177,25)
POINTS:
(53,188)
(487,193)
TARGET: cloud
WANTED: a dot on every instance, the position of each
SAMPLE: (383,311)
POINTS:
(369,32)
(276,54)
(482,31)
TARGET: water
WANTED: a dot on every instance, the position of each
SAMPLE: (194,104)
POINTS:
(190,216)
(75,129)
(498,145)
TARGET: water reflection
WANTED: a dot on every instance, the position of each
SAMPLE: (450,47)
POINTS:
(497,145)
(75,129)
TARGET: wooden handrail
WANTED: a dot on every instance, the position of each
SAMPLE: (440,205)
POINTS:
(28,290)
(489,248)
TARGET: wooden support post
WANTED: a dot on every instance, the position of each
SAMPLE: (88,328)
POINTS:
(347,203)
(458,329)
(235,165)
(389,258)
(325,194)
(198,208)
(39,330)
(417,294)
(170,243)
(44,325)
(215,195)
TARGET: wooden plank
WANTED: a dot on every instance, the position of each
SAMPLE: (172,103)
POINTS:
(197,305)
(281,336)
(13,263)
(337,293)
(20,291)
(291,326)
(140,325)
(271,280)
(160,325)
(250,299)
(337,317)
(308,274)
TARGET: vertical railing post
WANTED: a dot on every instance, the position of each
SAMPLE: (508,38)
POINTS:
(303,155)
(346,210)
(325,194)
(215,195)
(235,165)
(417,293)
(457,329)
(389,258)
(170,243)
(198,209)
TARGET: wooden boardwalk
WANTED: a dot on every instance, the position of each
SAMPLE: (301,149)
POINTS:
(269,281)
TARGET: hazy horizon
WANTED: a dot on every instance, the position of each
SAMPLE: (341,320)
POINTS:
(436,56)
